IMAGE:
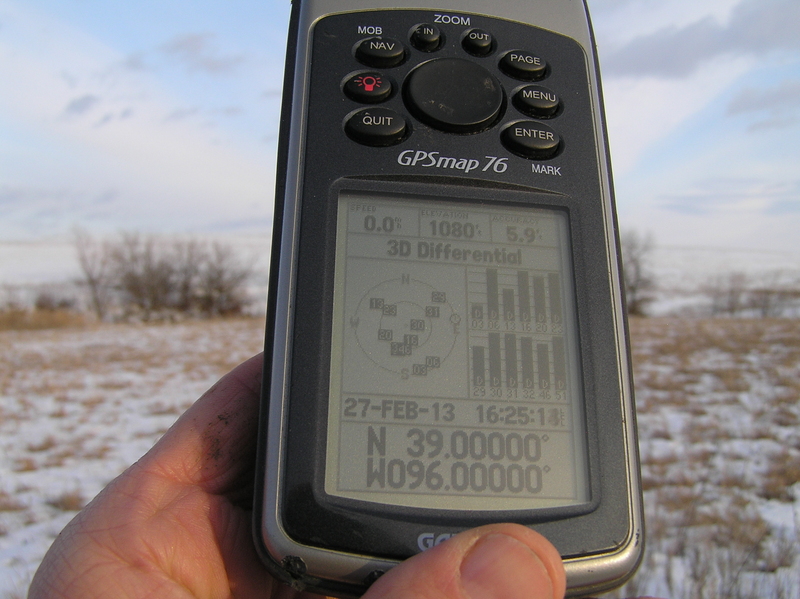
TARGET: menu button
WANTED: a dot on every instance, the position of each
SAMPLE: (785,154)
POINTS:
(537,101)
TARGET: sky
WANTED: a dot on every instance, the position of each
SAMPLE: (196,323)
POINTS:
(162,116)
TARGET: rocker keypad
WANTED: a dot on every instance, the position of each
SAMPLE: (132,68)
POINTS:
(454,94)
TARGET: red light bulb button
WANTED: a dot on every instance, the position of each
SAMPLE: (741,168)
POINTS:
(367,87)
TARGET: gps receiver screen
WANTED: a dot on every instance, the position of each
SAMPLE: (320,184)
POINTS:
(455,372)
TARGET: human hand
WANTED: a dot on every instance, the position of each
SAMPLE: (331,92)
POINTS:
(177,524)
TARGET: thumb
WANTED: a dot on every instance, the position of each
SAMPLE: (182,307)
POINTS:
(498,561)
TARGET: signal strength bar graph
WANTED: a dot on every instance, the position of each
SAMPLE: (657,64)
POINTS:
(518,362)
(509,295)
(516,330)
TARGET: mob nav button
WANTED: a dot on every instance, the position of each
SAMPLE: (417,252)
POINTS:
(375,126)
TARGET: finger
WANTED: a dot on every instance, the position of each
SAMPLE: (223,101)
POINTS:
(499,561)
(212,444)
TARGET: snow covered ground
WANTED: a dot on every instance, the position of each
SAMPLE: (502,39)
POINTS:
(719,434)
(78,406)
(719,424)
(686,278)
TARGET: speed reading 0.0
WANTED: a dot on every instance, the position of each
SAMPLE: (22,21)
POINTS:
(454,361)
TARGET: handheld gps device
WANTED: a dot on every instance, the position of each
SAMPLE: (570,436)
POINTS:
(446,344)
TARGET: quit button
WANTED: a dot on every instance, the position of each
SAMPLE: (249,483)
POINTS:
(376,126)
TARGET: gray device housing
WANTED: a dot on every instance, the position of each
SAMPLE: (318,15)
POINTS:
(314,165)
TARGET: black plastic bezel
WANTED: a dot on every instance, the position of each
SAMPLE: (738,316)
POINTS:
(313,517)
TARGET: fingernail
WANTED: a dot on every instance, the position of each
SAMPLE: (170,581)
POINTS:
(501,567)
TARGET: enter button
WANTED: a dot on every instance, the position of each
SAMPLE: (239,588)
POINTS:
(531,140)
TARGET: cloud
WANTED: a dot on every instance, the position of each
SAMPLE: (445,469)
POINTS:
(69,79)
(773,124)
(10,196)
(755,28)
(789,206)
(735,195)
(37,207)
(81,105)
(230,111)
(105,197)
(109,117)
(83,117)
(180,114)
(776,107)
(783,98)
(645,113)
(610,4)
(196,52)
(134,62)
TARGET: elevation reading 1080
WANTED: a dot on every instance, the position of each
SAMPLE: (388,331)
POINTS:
(454,369)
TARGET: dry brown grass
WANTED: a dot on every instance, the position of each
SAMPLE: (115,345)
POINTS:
(84,395)
(17,319)
(703,387)
(24,464)
(69,501)
(210,342)
(98,453)
(8,503)
(783,472)
(45,444)
(679,341)
(719,424)
(161,409)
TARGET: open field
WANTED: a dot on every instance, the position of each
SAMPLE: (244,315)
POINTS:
(719,420)
(719,425)
(77,406)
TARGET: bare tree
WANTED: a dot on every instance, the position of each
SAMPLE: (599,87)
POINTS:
(221,281)
(49,301)
(188,258)
(144,274)
(728,293)
(637,277)
(151,278)
(771,297)
(95,262)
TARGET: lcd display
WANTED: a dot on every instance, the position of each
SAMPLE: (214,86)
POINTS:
(455,366)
